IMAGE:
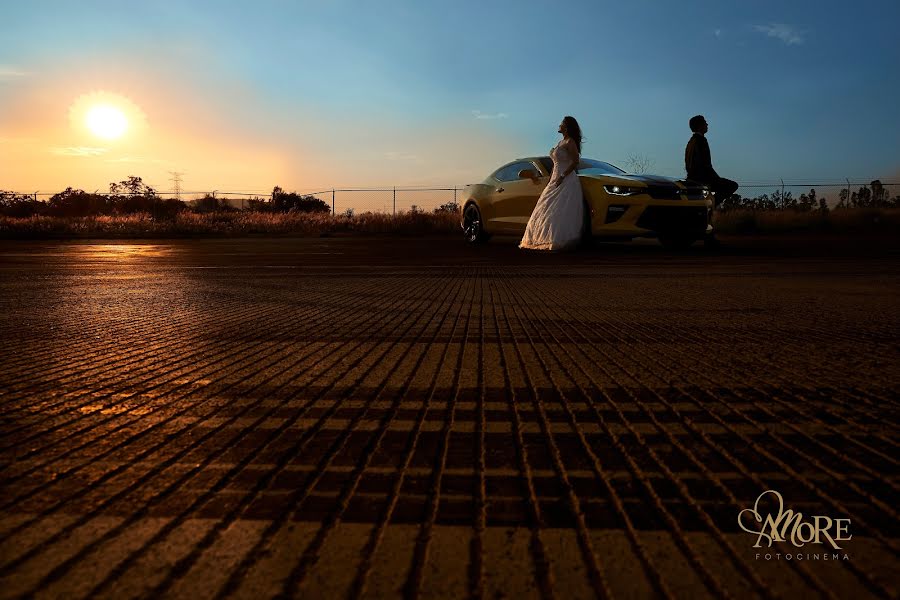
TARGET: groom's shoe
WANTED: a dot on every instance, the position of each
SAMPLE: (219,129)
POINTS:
(711,242)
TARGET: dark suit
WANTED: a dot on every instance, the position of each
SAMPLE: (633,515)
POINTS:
(698,164)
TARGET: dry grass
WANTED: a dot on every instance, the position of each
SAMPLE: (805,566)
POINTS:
(844,220)
(189,224)
(857,221)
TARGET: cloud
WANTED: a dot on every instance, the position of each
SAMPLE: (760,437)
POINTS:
(480,115)
(788,34)
(79,151)
(9,72)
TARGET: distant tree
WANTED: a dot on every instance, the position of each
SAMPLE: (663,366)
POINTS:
(779,200)
(20,205)
(806,202)
(862,198)
(638,163)
(133,186)
(844,199)
(878,193)
(285,202)
(78,203)
(168,208)
(764,202)
(209,203)
(449,207)
(132,195)
(259,205)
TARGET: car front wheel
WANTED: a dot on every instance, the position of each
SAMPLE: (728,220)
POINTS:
(473,226)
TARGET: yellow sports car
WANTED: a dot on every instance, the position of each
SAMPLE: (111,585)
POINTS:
(617,205)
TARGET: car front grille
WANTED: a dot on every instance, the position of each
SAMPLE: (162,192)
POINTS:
(694,193)
(664,192)
(681,219)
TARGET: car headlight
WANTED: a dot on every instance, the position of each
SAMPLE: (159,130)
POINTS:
(706,193)
(623,190)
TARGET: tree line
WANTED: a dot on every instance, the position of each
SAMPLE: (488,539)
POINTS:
(133,195)
(875,195)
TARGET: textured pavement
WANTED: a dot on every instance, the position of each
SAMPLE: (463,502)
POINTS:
(327,418)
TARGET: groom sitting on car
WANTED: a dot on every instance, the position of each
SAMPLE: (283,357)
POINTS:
(698,163)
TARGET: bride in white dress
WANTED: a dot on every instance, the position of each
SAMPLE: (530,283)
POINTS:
(558,216)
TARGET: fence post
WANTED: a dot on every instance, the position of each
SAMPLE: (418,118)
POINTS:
(395,200)
(454,195)
(848,191)
(782,194)
(332,202)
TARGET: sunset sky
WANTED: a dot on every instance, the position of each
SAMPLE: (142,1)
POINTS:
(248,95)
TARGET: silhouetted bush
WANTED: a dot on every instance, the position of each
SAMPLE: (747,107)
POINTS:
(20,205)
(874,196)
(210,203)
(285,202)
(258,205)
(78,203)
(449,207)
(132,195)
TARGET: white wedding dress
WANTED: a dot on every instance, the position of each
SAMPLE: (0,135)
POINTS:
(558,216)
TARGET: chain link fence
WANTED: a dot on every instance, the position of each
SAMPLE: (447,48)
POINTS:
(402,199)
(391,200)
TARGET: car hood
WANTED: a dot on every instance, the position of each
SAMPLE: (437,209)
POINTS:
(654,180)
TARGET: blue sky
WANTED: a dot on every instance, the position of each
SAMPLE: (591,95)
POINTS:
(337,92)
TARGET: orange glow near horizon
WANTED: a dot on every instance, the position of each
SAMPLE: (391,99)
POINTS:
(88,131)
(51,139)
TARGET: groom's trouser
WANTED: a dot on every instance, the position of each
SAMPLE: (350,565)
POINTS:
(722,188)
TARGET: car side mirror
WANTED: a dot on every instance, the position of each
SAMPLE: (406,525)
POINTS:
(528,174)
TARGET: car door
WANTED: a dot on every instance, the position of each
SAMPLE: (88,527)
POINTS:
(514,198)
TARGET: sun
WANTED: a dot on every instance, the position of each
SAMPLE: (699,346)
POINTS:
(107,116)
(106,121)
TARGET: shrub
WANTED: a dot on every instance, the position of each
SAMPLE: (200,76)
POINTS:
(449,207)
(284,202)
(78,203)
(19,205)
(210,203)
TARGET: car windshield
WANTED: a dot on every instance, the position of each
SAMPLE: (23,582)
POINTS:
(588,166)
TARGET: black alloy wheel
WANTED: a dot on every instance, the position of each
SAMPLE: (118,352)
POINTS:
(473,228)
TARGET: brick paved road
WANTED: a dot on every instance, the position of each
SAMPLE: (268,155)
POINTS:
(348,417)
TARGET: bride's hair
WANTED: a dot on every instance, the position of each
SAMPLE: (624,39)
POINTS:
(574,130)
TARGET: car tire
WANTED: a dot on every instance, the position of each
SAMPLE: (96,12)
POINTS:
(677,242)
(473,226)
